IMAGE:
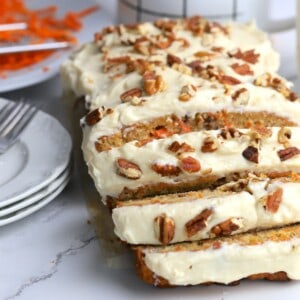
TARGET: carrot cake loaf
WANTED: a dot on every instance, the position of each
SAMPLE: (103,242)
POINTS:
(193,142)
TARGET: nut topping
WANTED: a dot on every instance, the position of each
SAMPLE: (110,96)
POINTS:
(210,144)
(227,227)
(273,201)
(128,169)
(93,117)
(180,148)
(284,135)
(225,79)
(241,96)
(230,133)
(190,164)
(164,228)
(198,223)
(130,94)
(267,80)
(242,69)
(248,56)
(288,153)
(165,170)
(251,154)
(153,83)
(205,56)
(172,59)
(187,92)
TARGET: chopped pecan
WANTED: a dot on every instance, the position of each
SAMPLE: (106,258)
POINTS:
(241,96)
(242,69)
(164,228)
(227,227)
(190,164)
(93,117)
(176,147)
(284,135)
(248,56)
(187,92)
(166,25)
(251,154)
(153,83)
(273,201)
(198,223)
(128,169)
(130,94)
(210,144)
(165,170)
(267,80)
(288,153)
(230,133)
(225,79)
(172,59)
(204,55)
(184,69)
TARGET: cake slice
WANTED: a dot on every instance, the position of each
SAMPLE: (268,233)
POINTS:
(191,161)
(191,104)
(271,254)
(249,204)
(119,57)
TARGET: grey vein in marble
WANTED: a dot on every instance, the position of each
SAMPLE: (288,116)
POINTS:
(56,262)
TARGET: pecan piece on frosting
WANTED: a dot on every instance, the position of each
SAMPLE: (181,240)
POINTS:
(187,92)
(284,135)
(190,164)
(210,144)
(178,148)
(251,154)
(227,227)
(230,133)
(225,79)
(241,96)
(164,228)
(128,169)
(288,153)
(93,117)
(198,223)
(173,59)
(130,94)
(153,83)
(248,56)
(273,201)
(165,170)
(242,69)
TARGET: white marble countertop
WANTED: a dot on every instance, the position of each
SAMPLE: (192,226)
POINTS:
(54,253)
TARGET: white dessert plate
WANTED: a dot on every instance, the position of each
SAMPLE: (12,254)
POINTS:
(22,213)
(37,196)
(42,153)
(36,73)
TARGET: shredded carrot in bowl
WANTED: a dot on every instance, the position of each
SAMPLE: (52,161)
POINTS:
(42,26)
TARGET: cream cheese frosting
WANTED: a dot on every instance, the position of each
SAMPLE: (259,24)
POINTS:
(228,158)
(135,223)
(229,263)
(85,74)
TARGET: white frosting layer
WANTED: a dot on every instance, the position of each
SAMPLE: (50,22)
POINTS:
(227,159)
(134,224)
(229,263)
(83,72)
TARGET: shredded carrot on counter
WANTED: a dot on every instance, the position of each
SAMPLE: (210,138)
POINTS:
(43,26)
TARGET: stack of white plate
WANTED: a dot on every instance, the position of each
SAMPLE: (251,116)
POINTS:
(35,169)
